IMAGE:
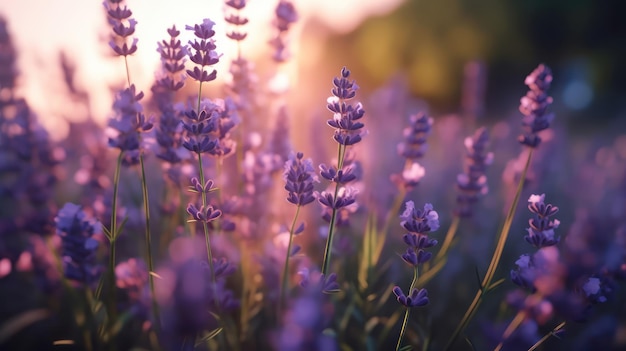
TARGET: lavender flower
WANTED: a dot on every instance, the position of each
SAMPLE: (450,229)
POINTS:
(132,279)
(123,27)
(472,184)
(534,105)
(8,57)
(346,116)
(286,15)
(203,54)
(236,20)
(418,223)
(172,54)
(541,231)
(78,246)
(300,179)
(129,122)
(412,149)
(416,298)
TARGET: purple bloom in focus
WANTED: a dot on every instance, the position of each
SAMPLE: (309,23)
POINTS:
(123,27)
(346,116)
(472,184)
(416,298)
(203,53)
(534,105)
(78,246)
(300,178)
(173,55)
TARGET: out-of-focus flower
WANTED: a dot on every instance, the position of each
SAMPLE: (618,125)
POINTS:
(534,105)
(286,15)
(412,149)
(78,246)
(472,184)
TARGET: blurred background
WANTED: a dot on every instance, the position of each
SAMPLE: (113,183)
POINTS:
(427,44)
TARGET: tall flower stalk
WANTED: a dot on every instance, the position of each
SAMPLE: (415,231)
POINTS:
(123,28)
(200,123)
(418,223)
(533,106)
(347,132)
(299,178)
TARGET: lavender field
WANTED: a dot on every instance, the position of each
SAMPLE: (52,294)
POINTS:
(234,200)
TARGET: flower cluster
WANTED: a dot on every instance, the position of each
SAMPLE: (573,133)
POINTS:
(472,184)
(299,178)
(129,122)
(173,55)
(286,15)
(534,105)
(418,223)
(412,149)
(346,115)
(123,27)
(236,19)
(78,245)
(203,53)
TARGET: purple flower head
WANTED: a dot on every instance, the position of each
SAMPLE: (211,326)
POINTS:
(415,136)
(8,58)
(78,246)
(534,105)
(419,221)
(541,230)
(345,197)
(203,51)
(472,184)
(236,19)
(123,27)
(129,121)
(299,178)
(416,298)
(346,115)
(173,55)
(285,15)
(593,290)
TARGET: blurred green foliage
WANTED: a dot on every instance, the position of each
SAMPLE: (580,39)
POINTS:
(430,41)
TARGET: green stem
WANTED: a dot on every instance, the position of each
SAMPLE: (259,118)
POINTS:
(495,259)
(285,282)
(547,336)
(341,151)
(111,309)
(146,207)
(205,227)
(447,242)
(405,322)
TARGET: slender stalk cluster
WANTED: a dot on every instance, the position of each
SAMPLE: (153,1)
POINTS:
(299,178)
(348,131)
(534,105)
(472,183)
